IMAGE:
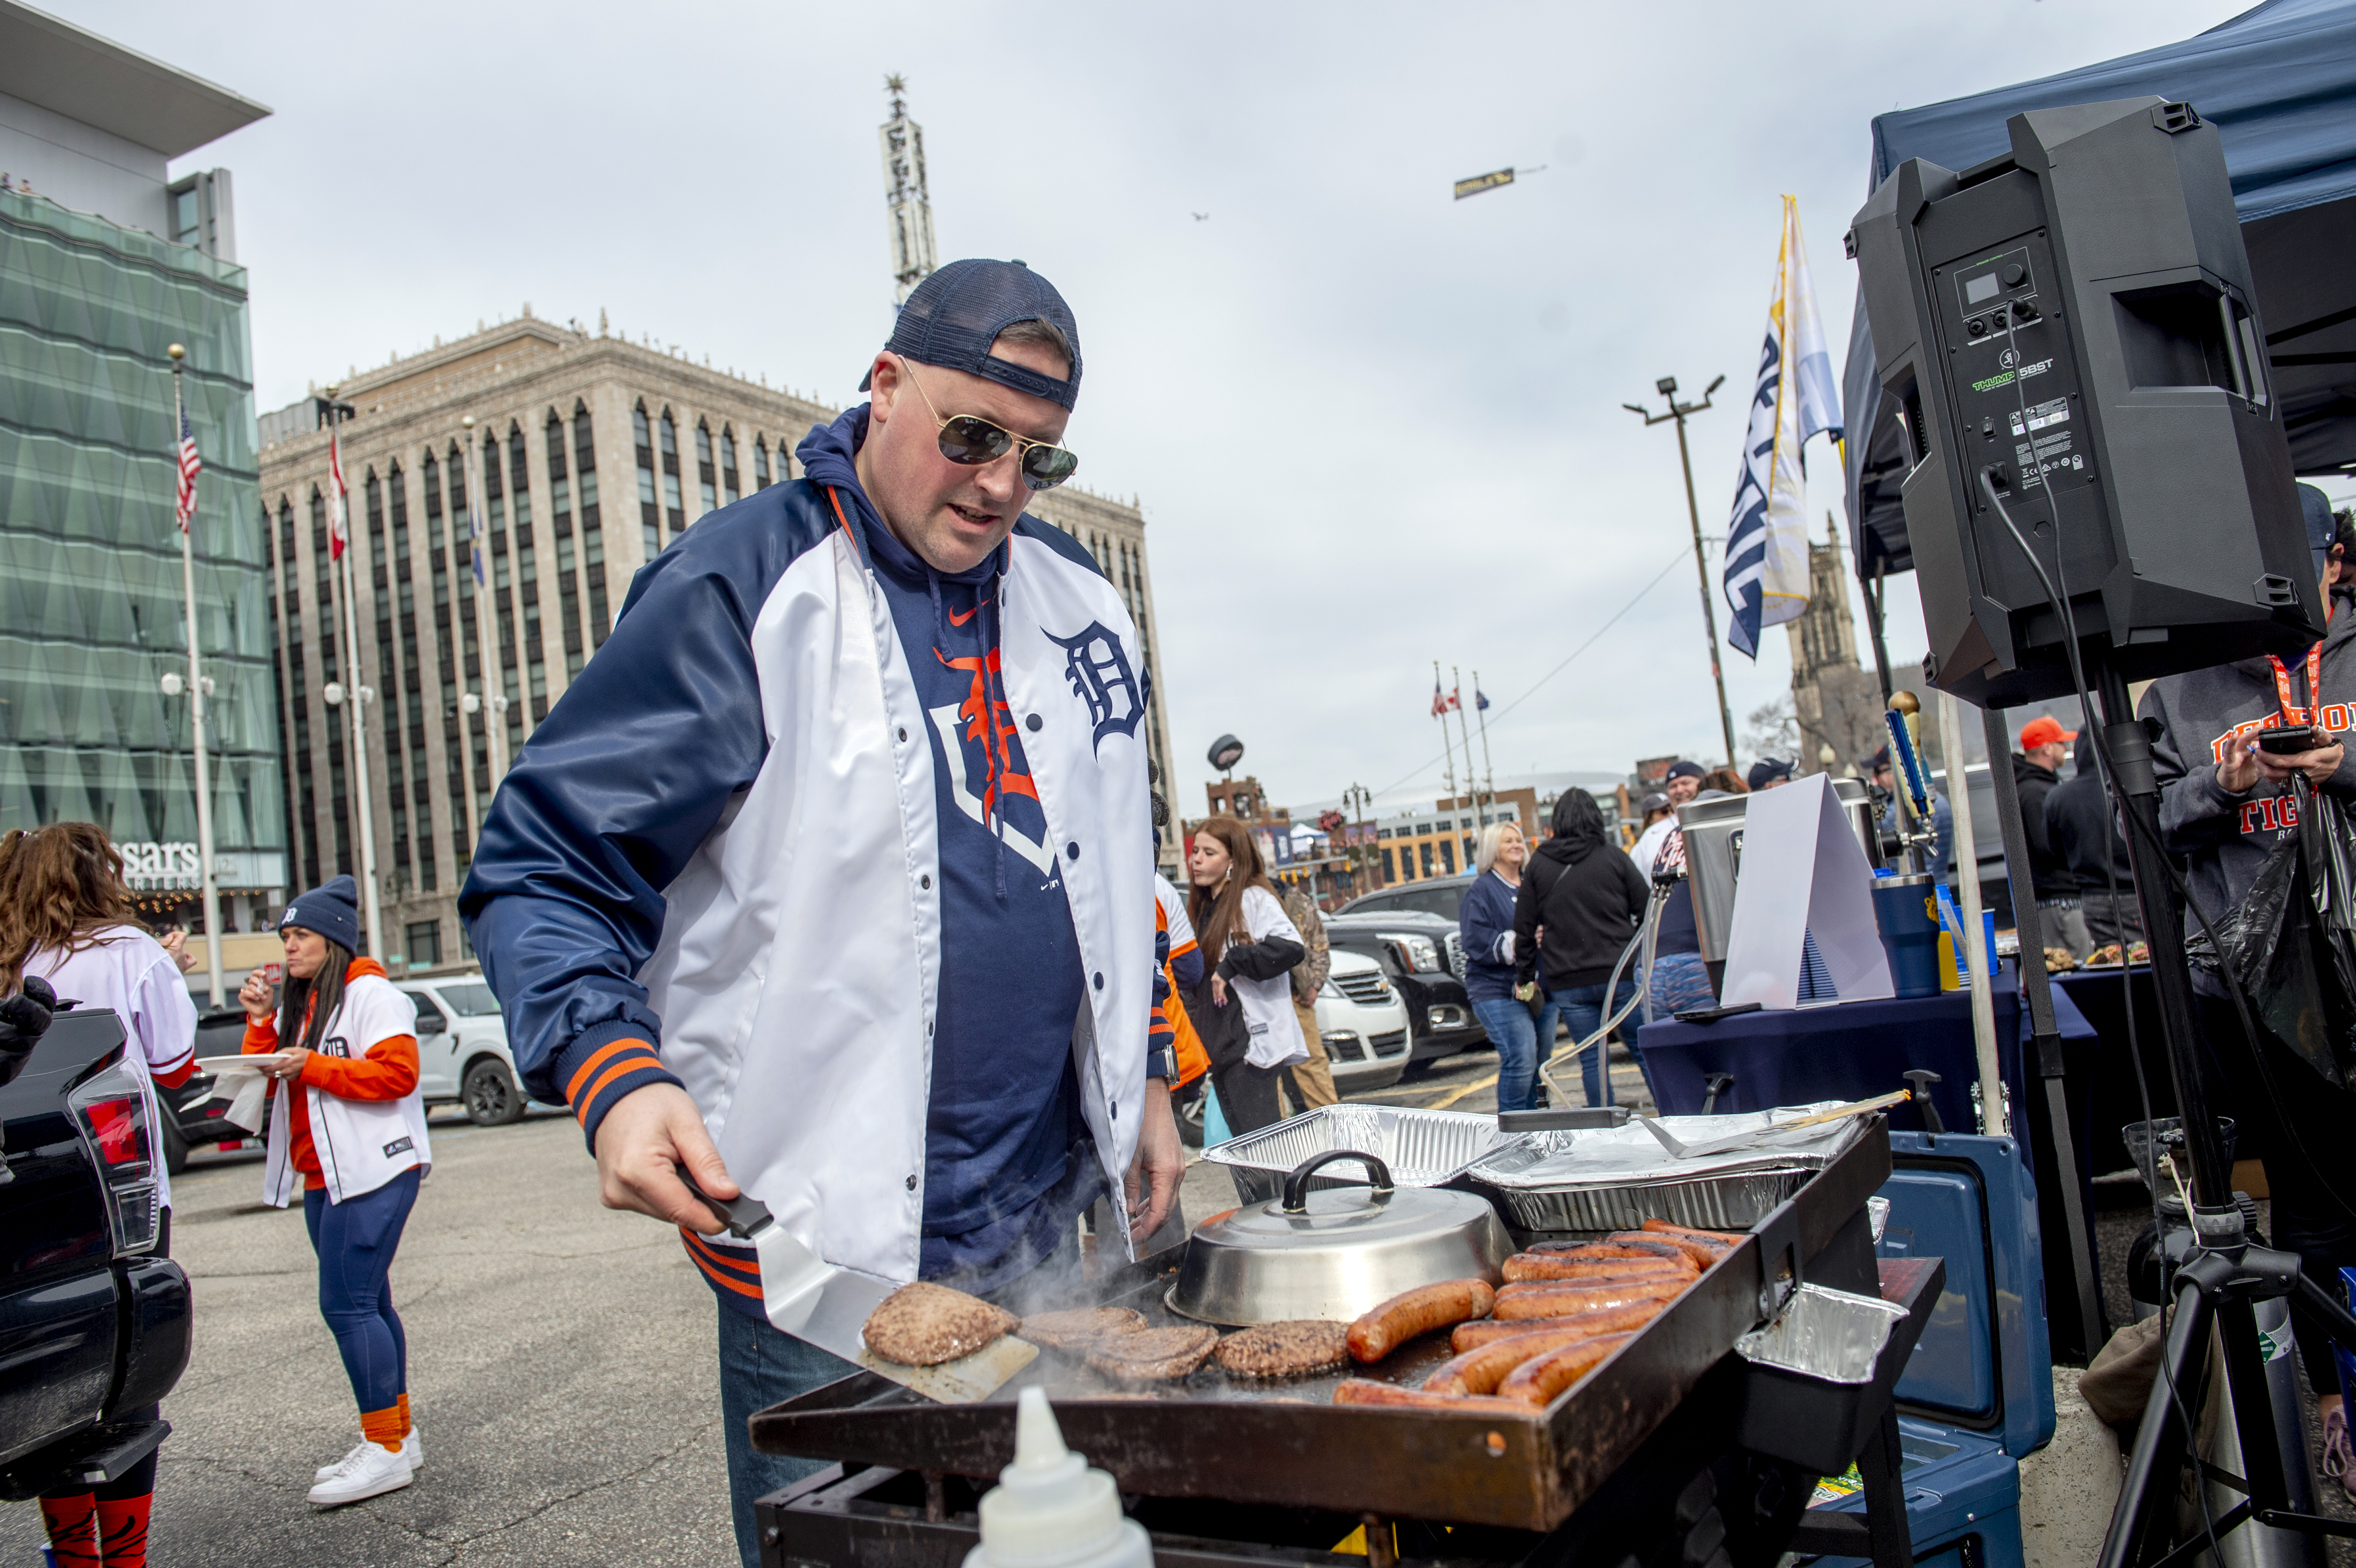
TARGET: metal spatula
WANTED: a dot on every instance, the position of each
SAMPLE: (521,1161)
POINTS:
(1764,1137)
(812,1299)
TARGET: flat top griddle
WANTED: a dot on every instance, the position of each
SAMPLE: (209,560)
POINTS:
(1286,1442)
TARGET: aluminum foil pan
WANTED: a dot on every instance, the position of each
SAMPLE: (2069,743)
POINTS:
(1423,1148)
(1615,1179)
(1829,1335)
(1733,1202)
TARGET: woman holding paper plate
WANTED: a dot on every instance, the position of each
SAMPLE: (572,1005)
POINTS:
(348,1130)
(66,917)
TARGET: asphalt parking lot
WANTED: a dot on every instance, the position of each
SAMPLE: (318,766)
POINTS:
(561,1367)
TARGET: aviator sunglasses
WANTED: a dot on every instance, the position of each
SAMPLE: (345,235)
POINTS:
(974,442)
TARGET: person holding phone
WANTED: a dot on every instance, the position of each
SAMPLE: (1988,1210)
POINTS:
(348,1131)
(2238,747)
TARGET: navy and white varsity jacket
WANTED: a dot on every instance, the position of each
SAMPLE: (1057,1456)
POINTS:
(715,862)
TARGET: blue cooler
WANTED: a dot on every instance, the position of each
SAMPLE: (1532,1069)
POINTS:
(1978,1392)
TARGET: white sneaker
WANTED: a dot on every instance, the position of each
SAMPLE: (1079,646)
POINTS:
(374,1471)
(411,1449)
(326,1471)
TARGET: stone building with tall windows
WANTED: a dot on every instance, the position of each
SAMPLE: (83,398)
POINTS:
(587,454)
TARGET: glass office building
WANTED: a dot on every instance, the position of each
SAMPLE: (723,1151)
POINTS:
(92,616)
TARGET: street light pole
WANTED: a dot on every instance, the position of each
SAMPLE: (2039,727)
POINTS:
(198,688)
(1667,387)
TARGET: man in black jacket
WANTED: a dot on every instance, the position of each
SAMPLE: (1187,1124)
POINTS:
(2224,805)
(2076,814)
(1580,902)
(2036,770)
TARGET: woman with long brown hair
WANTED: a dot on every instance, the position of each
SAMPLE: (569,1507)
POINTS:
(1243,1009)
(66,917)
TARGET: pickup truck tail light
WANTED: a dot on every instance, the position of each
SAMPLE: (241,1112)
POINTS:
(110,1109)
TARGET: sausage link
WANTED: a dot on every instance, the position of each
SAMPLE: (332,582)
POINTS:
(1553,1265)
(1603,1320)
(1662,1227)
(1569,1300)
(1702,1252)
(1480,1369)
(1626,1245)
(1366,1391)
(1536,1383)
(1418,1311)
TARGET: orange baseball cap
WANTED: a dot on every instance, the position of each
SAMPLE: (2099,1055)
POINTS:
(2043,730)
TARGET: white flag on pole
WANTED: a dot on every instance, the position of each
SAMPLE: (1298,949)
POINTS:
(1767,542)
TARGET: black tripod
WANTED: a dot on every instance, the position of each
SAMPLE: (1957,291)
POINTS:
(2218,1287)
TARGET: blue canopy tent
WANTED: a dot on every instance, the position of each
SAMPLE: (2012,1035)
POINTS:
(2279,83)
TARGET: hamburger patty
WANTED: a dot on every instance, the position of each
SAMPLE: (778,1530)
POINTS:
(924,1325)
(1080,1326)
(1152,1355)
(1287,1350)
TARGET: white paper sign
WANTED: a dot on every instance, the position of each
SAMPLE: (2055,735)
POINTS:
(1802,873)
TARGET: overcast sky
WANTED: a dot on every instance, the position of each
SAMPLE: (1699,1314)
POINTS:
(1370,426)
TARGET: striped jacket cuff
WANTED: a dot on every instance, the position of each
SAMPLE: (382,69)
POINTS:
(601,1066)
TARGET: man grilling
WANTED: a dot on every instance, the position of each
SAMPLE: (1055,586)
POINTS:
(830,879)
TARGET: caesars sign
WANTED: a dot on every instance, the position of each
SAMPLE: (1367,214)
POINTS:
(150,867)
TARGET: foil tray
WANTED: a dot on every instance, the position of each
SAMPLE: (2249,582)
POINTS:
(1733,1202)
(1423,1148)
(1832,1335)
(1615,1179)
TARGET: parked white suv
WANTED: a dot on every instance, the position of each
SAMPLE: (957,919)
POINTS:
(461,1050)
(1363,1020)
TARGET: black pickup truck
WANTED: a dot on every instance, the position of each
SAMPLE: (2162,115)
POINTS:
(94,1317)
(1411,929)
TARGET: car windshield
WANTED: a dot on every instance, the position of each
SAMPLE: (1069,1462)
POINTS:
(471,1001)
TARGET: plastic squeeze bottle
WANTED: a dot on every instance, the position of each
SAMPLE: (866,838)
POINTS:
(1049,1509)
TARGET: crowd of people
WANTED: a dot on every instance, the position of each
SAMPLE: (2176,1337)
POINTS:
(892,973)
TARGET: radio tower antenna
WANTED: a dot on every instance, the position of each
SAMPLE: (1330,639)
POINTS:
(908,209)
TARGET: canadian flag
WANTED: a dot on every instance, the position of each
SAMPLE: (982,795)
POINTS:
(338,494)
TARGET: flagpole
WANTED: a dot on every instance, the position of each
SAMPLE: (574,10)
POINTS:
(197,705)
(1439,711)
(1481,712)
(1456,699)
(494,703)
(356,693)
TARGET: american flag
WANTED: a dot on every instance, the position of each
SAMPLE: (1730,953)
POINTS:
(190,467)
(338,495)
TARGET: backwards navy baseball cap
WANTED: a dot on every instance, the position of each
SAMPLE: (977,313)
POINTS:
(2322,528)
(957,312)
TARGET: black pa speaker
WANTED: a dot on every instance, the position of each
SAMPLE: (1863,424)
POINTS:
(2074,323)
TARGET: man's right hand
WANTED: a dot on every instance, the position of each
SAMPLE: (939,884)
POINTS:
(641,1144)
(2238,773)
